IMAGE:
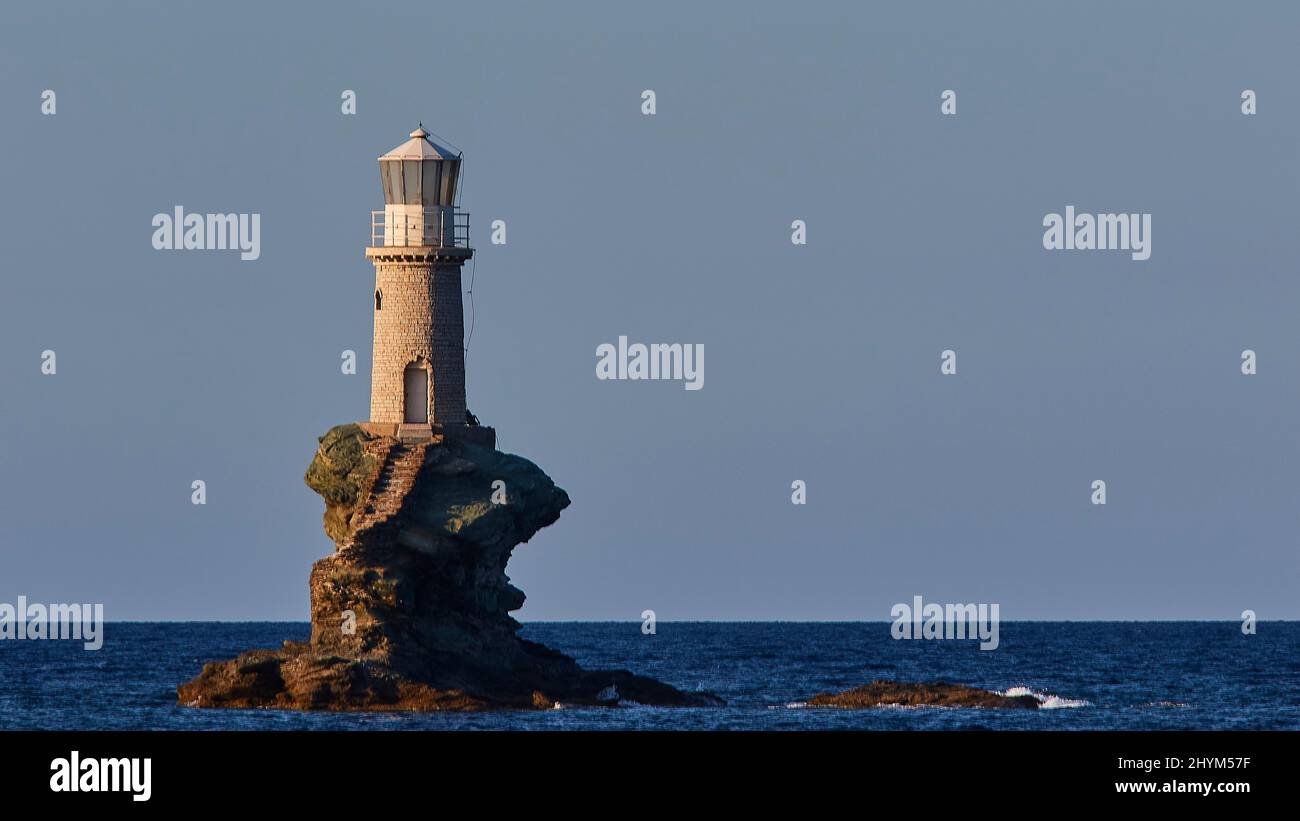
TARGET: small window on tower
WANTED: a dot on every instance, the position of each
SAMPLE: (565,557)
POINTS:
(379,300)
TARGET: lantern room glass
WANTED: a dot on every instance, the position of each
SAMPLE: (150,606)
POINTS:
(411,182)
(447,191)
(419,182)
(429,182)
(391,175)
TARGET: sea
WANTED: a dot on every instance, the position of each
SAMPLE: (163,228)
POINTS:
(1086,675)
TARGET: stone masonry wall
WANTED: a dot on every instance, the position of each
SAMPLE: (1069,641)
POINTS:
(448,405)
(421,320)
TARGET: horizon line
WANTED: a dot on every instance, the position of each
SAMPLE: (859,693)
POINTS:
(731,621)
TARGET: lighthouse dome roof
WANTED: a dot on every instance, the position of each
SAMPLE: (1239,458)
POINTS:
(420,147)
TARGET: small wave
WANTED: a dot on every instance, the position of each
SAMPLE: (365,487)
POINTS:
(1046,701)
(795,705)
(1165,704)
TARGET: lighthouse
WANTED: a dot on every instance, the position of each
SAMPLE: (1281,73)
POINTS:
(419,244)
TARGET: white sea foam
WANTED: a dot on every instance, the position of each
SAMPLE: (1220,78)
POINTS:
(1046,701)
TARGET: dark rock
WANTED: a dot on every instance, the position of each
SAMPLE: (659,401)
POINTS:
(412,612)
(882,693)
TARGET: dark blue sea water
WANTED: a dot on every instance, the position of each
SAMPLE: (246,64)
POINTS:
(1096,675)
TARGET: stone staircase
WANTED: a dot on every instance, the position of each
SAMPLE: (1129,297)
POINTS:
(400,465)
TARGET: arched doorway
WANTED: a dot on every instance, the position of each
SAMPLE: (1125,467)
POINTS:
(416,382)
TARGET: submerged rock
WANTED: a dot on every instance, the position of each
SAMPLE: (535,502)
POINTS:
(412,611)
(881,693)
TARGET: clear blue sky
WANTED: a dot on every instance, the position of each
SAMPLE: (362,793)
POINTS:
(822,361)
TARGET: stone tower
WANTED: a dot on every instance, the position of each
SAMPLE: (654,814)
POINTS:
(418,244)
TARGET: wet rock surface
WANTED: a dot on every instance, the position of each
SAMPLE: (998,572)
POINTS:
(882,693)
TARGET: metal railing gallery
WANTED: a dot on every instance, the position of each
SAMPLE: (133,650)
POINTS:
(445,227)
